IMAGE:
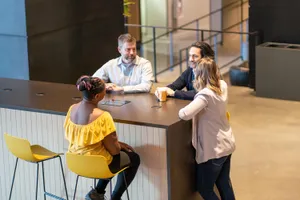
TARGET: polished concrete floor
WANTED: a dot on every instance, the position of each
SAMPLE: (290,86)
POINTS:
(266,162)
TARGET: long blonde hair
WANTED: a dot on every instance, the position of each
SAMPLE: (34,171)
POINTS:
(207,74)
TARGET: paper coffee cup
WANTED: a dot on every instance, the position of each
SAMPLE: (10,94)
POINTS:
(162,95)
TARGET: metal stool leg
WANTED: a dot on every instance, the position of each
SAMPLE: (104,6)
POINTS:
(95,180)
(75,187)
(13,180)
(62,172)
(44,180)
(110,188)
(126,185)
(37,181)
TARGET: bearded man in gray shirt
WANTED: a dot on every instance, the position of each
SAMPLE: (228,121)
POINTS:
(128,73)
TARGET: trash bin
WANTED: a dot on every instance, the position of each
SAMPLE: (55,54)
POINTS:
(277,71)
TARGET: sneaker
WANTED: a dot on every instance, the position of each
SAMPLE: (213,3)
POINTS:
(94,195)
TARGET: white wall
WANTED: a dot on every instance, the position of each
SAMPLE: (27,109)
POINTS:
(164,13)
(193,9)
(216,20)
(153,13)
(161,13)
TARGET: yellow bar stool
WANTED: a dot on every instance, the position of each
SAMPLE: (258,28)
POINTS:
(91,166)
(228,115)
(22,149)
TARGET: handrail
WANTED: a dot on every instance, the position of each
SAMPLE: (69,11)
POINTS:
(215,43)
(194,29)
(188,23)
(198,31)
(254,33)
(224,31)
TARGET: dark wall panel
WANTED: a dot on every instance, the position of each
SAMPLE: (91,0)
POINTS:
(68,38)
(57,40)
(43,16)
(62,56)
(277,22)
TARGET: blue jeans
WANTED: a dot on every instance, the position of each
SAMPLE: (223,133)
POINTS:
(215,171)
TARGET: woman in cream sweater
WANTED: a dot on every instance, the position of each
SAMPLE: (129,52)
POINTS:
(212,135)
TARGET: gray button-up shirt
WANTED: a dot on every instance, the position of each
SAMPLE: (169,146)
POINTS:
(135,77)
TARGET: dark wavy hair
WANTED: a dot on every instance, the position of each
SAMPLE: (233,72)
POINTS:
(206,50)
(90,86)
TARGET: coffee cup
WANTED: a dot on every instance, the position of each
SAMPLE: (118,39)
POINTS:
(162,94)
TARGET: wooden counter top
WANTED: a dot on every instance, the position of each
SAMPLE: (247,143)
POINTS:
(56,98)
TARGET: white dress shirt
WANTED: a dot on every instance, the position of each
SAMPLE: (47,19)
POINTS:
(135,77)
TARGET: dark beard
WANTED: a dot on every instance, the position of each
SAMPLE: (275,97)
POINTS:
(130,58)
(192,64)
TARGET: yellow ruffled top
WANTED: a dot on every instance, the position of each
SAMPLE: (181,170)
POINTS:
(87,139)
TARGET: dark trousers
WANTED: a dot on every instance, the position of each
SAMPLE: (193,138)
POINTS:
(215,171)
(120,161)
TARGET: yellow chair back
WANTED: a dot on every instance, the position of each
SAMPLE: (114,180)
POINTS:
(228,115)
(19,147)
(90,166)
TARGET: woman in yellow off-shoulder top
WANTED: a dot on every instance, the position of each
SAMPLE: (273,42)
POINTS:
(91,131)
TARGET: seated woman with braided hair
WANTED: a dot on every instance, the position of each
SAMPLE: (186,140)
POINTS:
(91,131)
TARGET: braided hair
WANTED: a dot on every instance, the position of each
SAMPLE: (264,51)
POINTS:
(90,86)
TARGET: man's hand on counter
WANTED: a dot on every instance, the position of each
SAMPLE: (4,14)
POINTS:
(113,87)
